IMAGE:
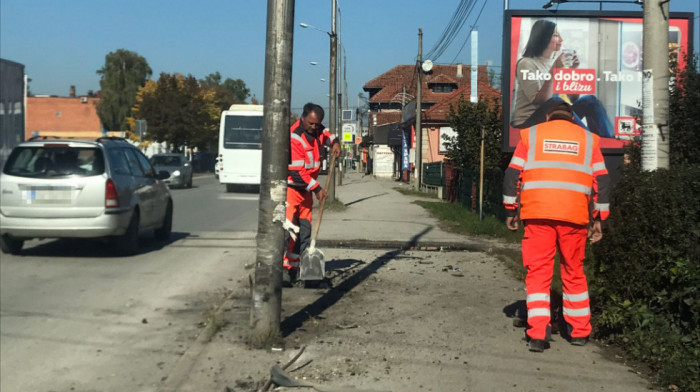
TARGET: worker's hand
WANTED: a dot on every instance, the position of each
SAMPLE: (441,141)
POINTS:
(335,150)
(595,231)
(512,223)
(321,195)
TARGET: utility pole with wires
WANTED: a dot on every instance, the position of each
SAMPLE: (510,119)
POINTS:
(419,134)
(339,103)
(332,96)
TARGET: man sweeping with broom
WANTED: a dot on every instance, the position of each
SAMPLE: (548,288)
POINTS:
(306,138)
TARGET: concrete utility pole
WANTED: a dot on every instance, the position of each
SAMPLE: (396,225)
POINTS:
(419,134)
(339,107)
(267,284)
(403,176)
(332,93)
(655,78)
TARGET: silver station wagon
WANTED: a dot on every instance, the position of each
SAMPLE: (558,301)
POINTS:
(53,188)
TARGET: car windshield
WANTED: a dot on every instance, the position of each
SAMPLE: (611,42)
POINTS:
(55,160)
(165,160)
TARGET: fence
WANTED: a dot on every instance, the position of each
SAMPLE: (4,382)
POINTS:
(462,186)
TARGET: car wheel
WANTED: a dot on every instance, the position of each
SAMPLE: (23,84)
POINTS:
(11,245)
(189,183)
(163,233)
(128,244)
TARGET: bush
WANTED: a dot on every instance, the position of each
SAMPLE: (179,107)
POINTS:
(646,273)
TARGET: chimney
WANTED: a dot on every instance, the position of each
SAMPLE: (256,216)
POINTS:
(459,70)
(72,91)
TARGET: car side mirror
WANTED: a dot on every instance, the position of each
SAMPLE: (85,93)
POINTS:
(187,164)
(162,175)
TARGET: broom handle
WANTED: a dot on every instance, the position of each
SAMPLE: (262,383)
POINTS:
(320,211)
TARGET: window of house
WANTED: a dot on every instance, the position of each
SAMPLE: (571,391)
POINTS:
(442,88)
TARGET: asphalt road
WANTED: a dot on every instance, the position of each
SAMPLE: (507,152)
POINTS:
(73,317)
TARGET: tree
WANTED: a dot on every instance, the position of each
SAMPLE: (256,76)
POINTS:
(468,120)
(121,76)
(684,120)
(178,111)
(226,93)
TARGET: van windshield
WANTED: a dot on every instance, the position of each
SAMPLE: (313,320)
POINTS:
(243,132)
(54,161)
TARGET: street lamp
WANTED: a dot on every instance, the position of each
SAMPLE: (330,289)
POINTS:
(308,26)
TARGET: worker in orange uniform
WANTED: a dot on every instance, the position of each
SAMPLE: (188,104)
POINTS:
(307,136)
(556,170)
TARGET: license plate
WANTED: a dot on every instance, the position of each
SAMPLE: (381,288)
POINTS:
(48,195)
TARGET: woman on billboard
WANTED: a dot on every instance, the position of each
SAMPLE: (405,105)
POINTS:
(534,78)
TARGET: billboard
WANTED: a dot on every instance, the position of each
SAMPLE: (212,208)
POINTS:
(590,59)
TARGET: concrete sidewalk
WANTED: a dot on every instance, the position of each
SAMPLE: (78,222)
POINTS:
(402,315)
(378,216)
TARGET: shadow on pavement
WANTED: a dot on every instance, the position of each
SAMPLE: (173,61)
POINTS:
(315,309)
(344,264)
(364,198)
(96,248)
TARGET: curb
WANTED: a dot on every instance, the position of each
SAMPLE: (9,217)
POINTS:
(407,245)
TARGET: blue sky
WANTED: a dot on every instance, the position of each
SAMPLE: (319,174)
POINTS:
(64,43)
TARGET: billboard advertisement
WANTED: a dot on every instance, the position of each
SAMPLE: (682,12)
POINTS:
(590,59)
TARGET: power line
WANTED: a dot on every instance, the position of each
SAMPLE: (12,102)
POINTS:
(452,29)
(470,31)
(463,17)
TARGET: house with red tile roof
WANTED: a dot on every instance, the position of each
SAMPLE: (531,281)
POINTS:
(65,117)
(441,88)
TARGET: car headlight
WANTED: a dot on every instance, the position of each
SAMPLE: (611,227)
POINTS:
(176,173)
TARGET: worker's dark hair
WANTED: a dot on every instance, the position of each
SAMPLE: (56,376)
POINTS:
(540,36)
(560,111)
(312,107)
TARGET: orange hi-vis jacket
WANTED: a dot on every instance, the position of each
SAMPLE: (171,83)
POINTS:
(305,161)
(556,168)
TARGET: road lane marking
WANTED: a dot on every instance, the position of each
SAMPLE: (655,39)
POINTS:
(238,197)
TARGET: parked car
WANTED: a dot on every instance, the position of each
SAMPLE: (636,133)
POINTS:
(53,188)
(178,167)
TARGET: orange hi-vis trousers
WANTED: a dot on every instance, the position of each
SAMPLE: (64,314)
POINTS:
(542,237)
(299,207)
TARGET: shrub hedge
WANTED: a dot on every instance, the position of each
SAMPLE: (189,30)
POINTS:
(645,286)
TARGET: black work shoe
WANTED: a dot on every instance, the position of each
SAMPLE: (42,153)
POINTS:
(538,345)
(579,341)
(289,277)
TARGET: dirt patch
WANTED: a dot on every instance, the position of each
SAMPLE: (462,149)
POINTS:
(405,321)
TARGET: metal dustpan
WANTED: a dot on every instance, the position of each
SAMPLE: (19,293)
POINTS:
(313,265)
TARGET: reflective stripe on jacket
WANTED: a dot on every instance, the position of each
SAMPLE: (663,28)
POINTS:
(556,168)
